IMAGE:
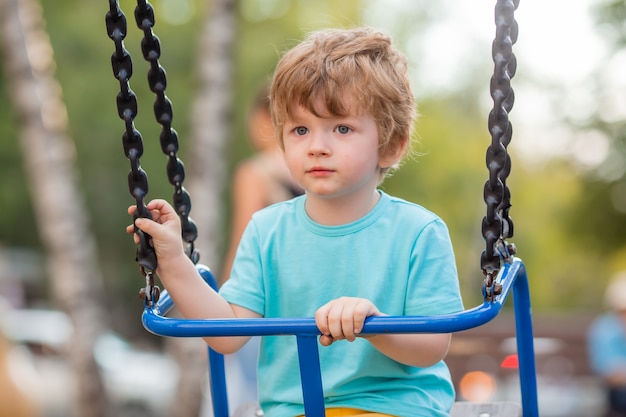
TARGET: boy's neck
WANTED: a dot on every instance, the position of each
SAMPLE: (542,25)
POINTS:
(340,210)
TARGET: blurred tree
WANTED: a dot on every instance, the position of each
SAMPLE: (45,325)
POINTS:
(61,216)
(597,217)
(210,120)
(613,14)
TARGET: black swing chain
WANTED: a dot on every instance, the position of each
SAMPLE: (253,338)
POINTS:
(132,141)
(497,226)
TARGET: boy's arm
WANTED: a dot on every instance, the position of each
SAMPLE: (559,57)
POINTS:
(193,297)
(421,350)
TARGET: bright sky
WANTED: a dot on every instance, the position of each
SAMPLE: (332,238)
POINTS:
(557,46)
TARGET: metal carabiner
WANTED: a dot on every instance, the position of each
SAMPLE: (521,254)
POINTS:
(150,293)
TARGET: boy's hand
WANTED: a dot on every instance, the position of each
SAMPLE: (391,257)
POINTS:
(343,318)
(164,228)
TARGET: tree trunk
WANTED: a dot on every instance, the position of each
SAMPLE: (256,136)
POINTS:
(61,214)
(210,121)
(210,126)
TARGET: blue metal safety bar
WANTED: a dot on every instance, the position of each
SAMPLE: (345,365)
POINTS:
(512,277)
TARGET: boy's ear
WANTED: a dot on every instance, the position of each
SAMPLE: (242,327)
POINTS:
(393,156)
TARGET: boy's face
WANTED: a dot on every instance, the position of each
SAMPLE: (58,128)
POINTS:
(333,156)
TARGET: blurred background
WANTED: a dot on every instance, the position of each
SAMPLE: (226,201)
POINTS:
(73,339)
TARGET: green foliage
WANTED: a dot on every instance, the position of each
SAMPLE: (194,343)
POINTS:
(610,16)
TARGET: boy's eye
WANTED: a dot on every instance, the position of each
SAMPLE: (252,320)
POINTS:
(343,129)
(301,130)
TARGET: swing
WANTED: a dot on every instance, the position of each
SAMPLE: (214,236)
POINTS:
(504,272)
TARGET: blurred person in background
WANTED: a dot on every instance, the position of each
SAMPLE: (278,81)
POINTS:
(259,181)
(606,342)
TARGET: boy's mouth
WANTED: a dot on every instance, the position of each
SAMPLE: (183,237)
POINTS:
(319,171)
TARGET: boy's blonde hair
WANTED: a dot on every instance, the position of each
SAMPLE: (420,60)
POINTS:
(334,64)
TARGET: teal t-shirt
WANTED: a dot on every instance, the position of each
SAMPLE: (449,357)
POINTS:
(399,256)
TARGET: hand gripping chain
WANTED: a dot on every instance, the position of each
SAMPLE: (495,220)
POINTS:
(121,63)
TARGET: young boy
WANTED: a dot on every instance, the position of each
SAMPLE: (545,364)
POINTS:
(343,112)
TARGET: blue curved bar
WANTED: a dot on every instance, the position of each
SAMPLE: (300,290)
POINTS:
(155,322)
(512,277)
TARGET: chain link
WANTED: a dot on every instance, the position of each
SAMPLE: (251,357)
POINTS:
(497,226)
(132,141)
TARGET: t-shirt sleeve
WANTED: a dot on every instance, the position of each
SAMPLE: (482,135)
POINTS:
(245,285)
(433,286)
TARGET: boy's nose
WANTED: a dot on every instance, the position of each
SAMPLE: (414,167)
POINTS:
(319,145)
